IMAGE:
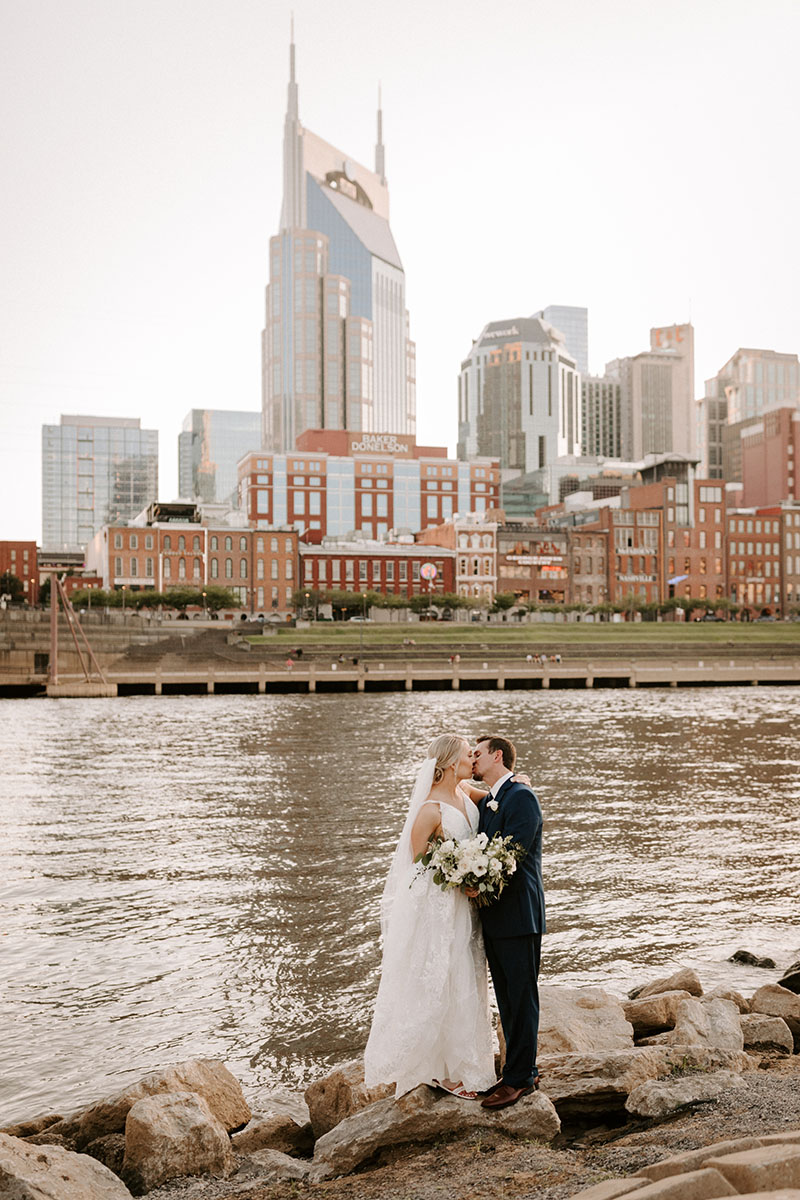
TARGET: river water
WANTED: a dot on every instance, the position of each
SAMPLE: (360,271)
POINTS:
(187,876)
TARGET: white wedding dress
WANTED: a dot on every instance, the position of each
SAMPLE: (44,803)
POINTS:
(432,1012)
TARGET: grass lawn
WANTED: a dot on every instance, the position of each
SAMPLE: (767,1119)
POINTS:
(339,634)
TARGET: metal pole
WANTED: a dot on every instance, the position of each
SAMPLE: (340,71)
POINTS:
(53,665)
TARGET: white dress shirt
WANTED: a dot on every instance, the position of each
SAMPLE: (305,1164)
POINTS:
(498,783)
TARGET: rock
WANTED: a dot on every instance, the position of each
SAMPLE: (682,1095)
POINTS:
(109,1150)
(704,1184)
(423,1115)
(654,1013)
(170,1135)
(723,993)
(340,1094)
(657,1097)
(752,960)
(36,1125)
(279,1166)
(714,1023)
(581,1020)
(48,1138)
(609,1189)
(52,1173)
(762,1169)
(274,1130)
(791,978)
(685,980)
(770,1035)
(690,1160)
(587,1084)
(205,1077)
(775,1001)
(681,1059)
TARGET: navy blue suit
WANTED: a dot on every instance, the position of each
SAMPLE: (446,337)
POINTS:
(513,928)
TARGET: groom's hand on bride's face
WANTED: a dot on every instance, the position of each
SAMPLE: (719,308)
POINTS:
(470,892)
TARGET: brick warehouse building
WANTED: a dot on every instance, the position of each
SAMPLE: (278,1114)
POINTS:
(336,482)
(20,558)
(172,548)
(763,546)
(391,568)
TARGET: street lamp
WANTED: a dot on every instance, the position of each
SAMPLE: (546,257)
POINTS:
(205,607)
(308,604)
(123,600)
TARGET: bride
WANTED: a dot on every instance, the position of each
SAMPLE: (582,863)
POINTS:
(431,1021)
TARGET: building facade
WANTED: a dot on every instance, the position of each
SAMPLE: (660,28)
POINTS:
(574,324)
(658,411)
(21,559)
(209,447)
(601,416)
(95,470)
(172,548)
(519,396)
(337,483)
(533,563)
(399,568)
(336,351)
(770,450)
(474,538)
(761,569)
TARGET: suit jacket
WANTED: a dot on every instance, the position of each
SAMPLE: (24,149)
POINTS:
(520,909)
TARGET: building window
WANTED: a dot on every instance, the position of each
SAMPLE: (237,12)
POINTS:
(289,572)
(181,568)
(117,541)
(148,541)
(148,568)
(274,569)
(349,570)
(228,543)
(134,567)
(243,568)
(215,542)
(273,544)
(134,542)
(415,572)
(390,572)
(167,568)
(260,568)
(403,572)
(196,542)
(181,542)
(260,545)
(198,568)
(214,568)
(229,567)
(117,566)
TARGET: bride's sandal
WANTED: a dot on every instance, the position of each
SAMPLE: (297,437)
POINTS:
(457,1090)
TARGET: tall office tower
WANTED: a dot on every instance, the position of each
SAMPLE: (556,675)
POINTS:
(95,470)
(657,395)
(574,324)
(519,396)
(601,416)
(211,444)
(336,352)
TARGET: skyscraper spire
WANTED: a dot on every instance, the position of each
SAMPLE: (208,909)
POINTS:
(292,210)
(380,153)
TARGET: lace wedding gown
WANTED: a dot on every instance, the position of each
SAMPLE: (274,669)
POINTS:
(432,1012)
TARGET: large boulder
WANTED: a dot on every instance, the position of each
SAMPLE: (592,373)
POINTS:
(278,1127)
(791,978)
(684,980)
(52,1173)
(277,1167)
(424,1115)
(711,1023)
(25,1129)
(588,1084)
(769,1035)
(581,1020)
(657,1097)
(776,1001)
(340,1094)
(654,1013)
(726,993)
(752,960)
(170,1135)
(205,1077)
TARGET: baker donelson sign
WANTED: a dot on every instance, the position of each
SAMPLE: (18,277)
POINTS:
(380,443)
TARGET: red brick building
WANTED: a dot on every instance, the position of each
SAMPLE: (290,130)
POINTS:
(391,568)
(771,459)
(335,483)
(758,559)
(20,558)
(259,566)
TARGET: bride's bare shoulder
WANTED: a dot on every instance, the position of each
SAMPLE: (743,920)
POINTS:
(475,794)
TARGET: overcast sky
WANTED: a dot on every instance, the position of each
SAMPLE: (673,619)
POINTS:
(638,158)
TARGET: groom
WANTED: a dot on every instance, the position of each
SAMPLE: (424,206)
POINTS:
(513,925)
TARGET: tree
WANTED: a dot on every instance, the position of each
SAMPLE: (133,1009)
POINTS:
(503,601)
(44,592)
(11,585)
(218,597)
(182,597)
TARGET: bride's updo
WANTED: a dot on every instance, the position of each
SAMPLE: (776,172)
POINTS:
(446,749)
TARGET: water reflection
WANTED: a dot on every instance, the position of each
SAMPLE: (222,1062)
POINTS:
(192,875)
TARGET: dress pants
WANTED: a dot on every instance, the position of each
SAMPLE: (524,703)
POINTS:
(514,964)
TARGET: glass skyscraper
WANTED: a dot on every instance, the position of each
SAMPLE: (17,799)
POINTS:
(95,471)
(574,324)
(210,446)
(335,350)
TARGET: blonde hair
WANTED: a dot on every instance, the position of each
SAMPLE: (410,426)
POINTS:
(447,748)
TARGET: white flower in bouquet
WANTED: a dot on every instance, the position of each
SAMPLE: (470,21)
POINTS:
(474,862)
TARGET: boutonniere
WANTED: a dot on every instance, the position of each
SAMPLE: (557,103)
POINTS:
(492,804)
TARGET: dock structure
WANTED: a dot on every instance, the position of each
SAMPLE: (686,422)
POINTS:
(317,678)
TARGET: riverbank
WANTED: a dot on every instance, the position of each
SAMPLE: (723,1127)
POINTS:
(485,1166)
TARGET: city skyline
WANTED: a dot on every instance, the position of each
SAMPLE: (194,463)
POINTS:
(137,218)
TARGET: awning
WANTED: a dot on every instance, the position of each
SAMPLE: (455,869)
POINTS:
(677,579)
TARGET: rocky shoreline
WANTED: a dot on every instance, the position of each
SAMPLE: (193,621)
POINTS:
(626,1084)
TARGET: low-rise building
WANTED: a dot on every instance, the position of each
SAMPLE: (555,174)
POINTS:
(761,558)
(20,559)
(533,563)
(170,546)
(474,537)
(400,568)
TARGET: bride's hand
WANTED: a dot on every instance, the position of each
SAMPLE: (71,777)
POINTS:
(521,777)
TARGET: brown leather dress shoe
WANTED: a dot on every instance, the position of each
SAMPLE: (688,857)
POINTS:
(506,1095)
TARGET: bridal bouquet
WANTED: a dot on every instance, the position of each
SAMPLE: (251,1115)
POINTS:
(473,862)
